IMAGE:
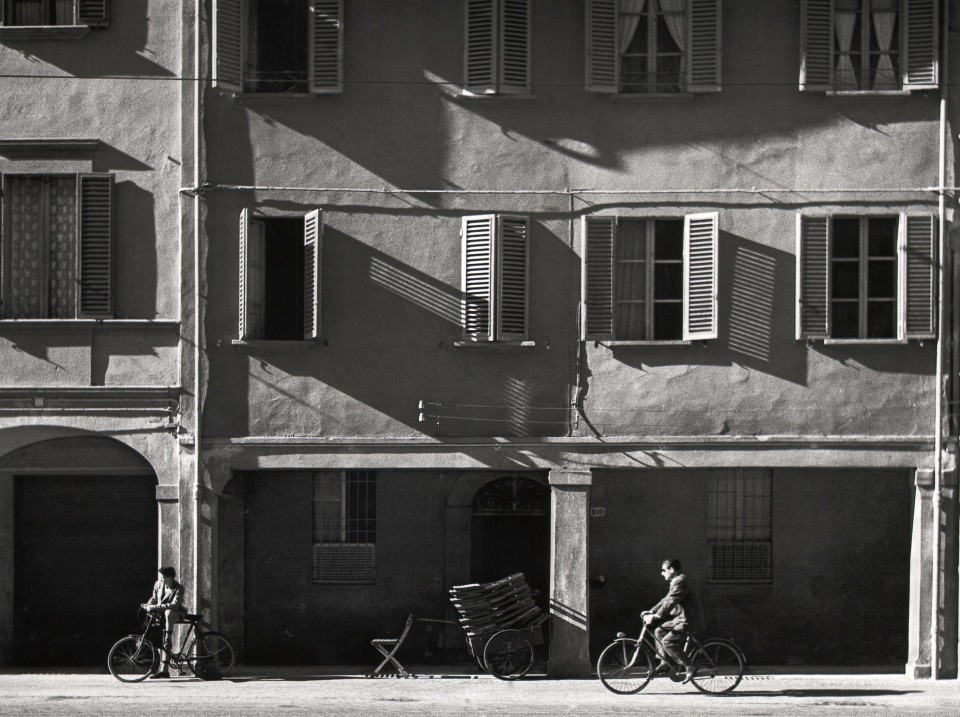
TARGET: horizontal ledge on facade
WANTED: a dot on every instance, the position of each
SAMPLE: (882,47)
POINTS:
(868,93)
(618,442)
(93,391)
(64,323)
(863,342)
(43,32)
(14,147)
(495,344)
(617,342)
(261,344)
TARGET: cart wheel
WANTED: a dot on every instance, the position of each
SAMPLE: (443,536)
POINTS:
(483,667)
(508,655)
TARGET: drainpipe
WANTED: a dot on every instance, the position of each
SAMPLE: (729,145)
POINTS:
(941,333)
(198,333)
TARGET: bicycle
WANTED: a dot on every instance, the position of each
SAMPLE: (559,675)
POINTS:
(626,665)
(207,654)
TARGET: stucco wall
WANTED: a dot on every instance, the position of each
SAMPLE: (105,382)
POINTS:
(391,263)
(841,550)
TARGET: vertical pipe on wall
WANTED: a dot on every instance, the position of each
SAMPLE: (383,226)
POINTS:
(197,354)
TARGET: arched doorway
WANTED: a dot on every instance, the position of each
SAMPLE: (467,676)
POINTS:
(511,533)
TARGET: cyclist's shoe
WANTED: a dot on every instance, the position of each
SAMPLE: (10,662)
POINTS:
(661,669)
(691,671)
(162,675)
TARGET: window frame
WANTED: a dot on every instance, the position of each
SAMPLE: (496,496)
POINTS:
(362,552)
(918,43)
(324,53)
(917,267)
(744,550)
(700,277)
(250,328)
(94,239)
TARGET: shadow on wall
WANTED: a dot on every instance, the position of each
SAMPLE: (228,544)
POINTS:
(135,257)
(120,48)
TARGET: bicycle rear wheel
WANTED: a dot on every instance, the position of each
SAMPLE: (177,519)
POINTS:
(132,659)
(211,656)
(625,668)
(718,667)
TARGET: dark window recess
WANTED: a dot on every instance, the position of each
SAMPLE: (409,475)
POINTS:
(278,46)
(283,279)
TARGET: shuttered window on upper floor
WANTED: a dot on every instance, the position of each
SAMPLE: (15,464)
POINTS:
(494,277)
(637,47)
(264,46)
(866,278)
(650,279)
(497,47)
(279,281)
(54,13)
(869,45)
(57,246)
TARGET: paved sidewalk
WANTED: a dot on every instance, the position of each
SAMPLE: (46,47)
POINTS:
(442,692)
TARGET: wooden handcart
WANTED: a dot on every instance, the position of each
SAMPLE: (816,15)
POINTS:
(502,622)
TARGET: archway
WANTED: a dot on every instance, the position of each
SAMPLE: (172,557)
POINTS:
(511,532)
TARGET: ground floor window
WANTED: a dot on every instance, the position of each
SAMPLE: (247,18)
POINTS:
(345,526)
(740,526)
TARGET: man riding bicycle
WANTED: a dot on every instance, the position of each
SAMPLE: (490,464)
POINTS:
(677,615)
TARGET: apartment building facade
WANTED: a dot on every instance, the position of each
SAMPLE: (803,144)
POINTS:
(563,288)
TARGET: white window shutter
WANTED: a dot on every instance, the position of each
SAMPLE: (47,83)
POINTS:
(245,324)
(816,45)
(597,283)
(228,44)
(703,68)
(514,46)
(95,202)
(480,47)
(700,238)
(326,47)
(312,243)
(95,13)
(813,277)
(921,45)
(918,262)
(603,59)
(513,251)
(477,285)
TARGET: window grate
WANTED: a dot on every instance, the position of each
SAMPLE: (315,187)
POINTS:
(740,526)
(740,561)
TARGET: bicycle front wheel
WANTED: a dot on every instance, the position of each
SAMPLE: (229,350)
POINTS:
(718,667)
(132,659)
(211,656)
(625,667)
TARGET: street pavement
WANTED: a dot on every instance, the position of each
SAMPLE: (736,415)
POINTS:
(343,691)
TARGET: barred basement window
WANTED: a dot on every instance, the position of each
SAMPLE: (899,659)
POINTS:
(56,246)
(345,527)
(740,526)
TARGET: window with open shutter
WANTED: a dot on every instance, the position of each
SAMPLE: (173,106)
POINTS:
(869,45)
(96,239)
(813,277)
(477,266)
(653,46)
(919,275)
(279,285)
(268,47)
(497,47)
(700,238)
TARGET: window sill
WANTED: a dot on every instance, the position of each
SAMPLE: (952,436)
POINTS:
(292,345)
(495,344)
(44,32)
(616,343)
(868,93)
(864,342)
(274,96)
(497,96)
(640,97)
(64,323)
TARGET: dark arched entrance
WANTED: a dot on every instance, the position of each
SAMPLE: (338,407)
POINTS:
(511,533)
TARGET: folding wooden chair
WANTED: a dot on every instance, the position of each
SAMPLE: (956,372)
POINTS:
(388,647)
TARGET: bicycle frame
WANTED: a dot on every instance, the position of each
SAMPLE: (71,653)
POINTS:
(649,639)
(176,657)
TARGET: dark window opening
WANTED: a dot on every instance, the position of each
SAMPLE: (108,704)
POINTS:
(283,279)
(277,54)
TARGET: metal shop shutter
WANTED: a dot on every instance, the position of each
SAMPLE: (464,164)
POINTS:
(85,551)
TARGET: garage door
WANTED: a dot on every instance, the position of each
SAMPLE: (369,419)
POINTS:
(85,557)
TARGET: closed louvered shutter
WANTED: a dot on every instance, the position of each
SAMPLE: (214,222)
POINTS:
(513,239)
(816,45)
(312,236)
(326,47)
(920,271)
(96,237)
(477,276)
(228,45)
(598,238)
(515,47)
(704,65)
(480,53)
(95,13)
(603,62)
(922,45)
(700,236)
(813,285)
